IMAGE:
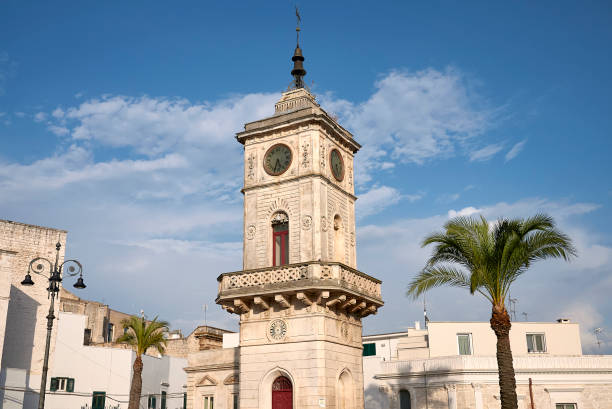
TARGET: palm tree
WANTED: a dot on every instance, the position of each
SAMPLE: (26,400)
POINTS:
(487,258)
(142,336)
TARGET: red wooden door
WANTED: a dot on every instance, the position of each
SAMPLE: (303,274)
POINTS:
(282,393)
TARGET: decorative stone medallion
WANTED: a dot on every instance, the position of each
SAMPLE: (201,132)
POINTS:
(277,330)
(344,331)
(306,222)
(324,224)
(251,231)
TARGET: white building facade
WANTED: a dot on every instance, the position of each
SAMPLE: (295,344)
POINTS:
(98,377)
(452,365)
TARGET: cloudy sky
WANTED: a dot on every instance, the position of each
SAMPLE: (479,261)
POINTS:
(117,123)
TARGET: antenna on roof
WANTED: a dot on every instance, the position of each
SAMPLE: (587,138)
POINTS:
(425,312)
(524,314)
(205,307)
(512,302)
(598,332)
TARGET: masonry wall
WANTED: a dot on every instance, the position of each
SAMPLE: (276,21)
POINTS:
(26,326)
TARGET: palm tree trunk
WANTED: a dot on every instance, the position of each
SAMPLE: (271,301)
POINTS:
(500,323)
(136,386)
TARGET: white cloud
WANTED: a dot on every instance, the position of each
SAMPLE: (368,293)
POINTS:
(58,113)
(155,125)
(379,198)
(413,117)
(516,149)
(20,114)
(40,116)
(58,130)
(486,153)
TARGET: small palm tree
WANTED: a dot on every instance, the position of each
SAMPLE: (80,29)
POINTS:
(487,258)
(142,336)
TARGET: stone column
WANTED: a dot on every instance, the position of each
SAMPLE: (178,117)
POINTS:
(452,395)
(477,395)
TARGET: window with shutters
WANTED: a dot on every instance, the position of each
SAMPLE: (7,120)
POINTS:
(536,343)
(152,402)
(98,400)
(61,384)
(464,342)
(280,239)
(163,400)
(369,349)
(209,402)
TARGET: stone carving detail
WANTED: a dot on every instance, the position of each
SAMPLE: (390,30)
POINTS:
(251,166)
(277,330)
(326,273)
(305,147)
(279,204)
(324,223)
(323,158)
(306,222)
(350,175)
(280,217)
(278,275)
(361,284)
(344,331)
(231,380)
(353,238)
(251,231)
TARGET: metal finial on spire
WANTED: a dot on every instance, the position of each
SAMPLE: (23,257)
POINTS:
(298,70)
(297,25)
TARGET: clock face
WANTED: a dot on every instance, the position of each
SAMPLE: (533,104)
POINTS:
(277,330)
(337,164)
(277,159)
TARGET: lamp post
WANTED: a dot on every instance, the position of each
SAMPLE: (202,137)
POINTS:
(55,278)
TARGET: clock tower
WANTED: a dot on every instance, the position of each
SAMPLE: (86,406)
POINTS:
(300,297)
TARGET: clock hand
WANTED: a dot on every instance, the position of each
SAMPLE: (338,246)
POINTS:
(277,166)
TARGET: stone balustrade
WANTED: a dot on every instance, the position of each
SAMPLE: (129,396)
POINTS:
(346,276)
(334,284)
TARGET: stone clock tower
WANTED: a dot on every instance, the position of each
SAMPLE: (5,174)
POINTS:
(299,296)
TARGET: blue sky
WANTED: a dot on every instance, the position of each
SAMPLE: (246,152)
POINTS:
(117,124)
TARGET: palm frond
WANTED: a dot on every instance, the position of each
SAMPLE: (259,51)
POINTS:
(431,277)
(491,256)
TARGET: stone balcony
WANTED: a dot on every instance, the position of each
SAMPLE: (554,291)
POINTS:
(332,285)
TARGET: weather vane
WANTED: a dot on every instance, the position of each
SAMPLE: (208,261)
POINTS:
(298,22)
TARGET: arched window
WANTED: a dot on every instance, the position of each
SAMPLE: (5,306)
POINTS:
(280,239)
(282,393)
(345,391)
(338,239)
(404,399)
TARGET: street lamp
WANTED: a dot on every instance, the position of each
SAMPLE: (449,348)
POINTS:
(56,270)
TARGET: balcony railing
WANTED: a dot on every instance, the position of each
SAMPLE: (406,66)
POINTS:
(313,273)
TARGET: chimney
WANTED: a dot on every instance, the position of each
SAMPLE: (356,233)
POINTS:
(417,325)
(563,320)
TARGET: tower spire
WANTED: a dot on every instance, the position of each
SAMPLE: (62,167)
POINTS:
(298,72)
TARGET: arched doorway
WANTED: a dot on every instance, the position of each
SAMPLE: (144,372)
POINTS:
(404,396)
(282,393)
